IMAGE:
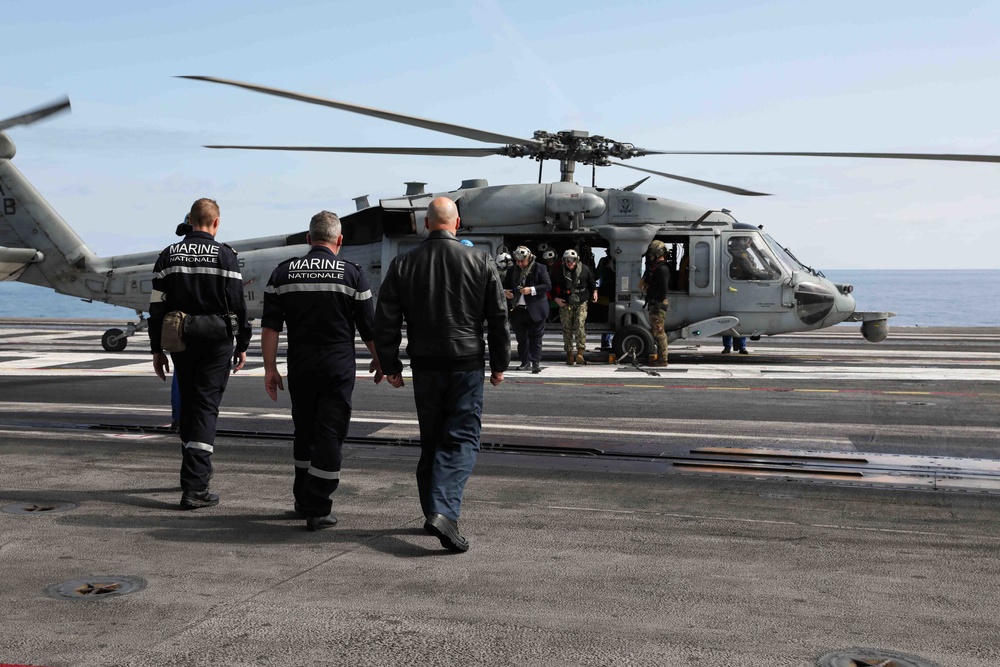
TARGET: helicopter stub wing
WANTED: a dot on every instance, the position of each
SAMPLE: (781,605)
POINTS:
(708,328)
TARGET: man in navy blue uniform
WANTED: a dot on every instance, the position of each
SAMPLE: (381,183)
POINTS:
(200,277)
(323,300)
(444,291)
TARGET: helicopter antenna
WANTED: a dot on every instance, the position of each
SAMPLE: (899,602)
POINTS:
(540,163)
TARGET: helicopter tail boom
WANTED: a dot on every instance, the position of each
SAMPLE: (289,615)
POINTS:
(36,245)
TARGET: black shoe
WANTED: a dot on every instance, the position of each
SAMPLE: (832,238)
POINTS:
(726,350)
(524,366)
(446,530)
(192,500)
(744,351)
(535,368)
(315,523)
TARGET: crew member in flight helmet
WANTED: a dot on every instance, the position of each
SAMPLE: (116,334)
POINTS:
(504,262)
(657,281)
(573,286)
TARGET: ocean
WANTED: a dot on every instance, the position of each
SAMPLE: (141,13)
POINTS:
(918,297)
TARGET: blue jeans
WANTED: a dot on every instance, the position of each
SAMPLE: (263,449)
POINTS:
(727,342)
(450,411)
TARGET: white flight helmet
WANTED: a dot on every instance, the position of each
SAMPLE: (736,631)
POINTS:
(521,253)
(504,261)
(571,256)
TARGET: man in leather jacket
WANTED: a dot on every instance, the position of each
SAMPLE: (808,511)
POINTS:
(444,291)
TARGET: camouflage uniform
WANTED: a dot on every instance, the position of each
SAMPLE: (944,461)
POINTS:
(657,281)
(574,284)
(573,319)
(657,314)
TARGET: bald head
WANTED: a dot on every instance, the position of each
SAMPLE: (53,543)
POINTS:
(442,214)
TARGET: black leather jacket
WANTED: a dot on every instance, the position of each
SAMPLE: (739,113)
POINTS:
(445,291)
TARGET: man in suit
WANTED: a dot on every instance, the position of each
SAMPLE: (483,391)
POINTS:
(525,286)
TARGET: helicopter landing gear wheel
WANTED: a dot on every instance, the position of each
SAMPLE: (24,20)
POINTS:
(114,340)
(634,338)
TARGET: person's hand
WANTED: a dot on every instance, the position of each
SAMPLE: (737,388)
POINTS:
(560,302)
(376,368)
(508,293)
(395,379)
(239,359)
(161,365)
(496,378)
(593,299)
(272,383)
(526,291)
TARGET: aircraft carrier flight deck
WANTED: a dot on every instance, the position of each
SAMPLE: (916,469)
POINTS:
(821,497)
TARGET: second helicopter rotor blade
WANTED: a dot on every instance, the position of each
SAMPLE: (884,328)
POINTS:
(403,150)
(35,114)
(437,126)
(950,157)
(705,184)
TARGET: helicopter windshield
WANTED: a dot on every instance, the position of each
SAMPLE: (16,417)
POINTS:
(751,260)
(787,259)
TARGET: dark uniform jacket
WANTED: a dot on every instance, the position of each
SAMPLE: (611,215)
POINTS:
(323,300)
(657,282)
(445,291)
(199,276)
(565,287)
(538,277)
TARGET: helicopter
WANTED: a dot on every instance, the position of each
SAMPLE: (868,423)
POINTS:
(728,277)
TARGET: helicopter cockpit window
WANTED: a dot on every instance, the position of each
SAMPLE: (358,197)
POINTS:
(784,257)
(751,259)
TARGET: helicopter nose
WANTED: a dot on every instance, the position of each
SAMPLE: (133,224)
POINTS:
(845,303)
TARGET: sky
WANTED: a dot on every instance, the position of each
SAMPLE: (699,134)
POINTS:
(893,76)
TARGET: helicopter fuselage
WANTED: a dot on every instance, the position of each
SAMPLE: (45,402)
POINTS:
(770,293)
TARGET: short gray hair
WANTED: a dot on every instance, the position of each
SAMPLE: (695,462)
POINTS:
(324,227)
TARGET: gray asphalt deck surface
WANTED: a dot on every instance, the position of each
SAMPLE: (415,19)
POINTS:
(566,567)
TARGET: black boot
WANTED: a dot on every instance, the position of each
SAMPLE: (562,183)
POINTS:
(536,368)
(191,500)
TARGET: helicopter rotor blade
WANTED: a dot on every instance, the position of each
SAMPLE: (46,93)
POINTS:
(36,114)
(705,184)
(437,126)
(951,157)
(453,152)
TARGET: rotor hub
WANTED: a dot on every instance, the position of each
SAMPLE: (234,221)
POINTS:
(575,146)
